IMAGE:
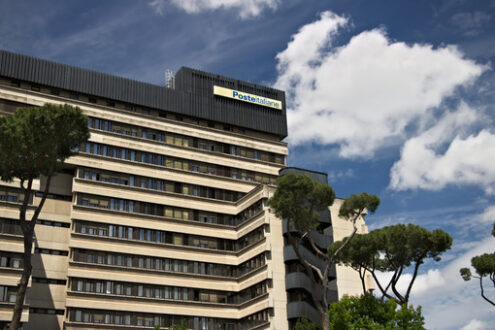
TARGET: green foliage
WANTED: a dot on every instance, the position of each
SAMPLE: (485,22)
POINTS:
(368,312)
(358,203)
(181,326)
(404,245)
(300,199)
(361,251)
(393,249)
(305,324)
(35,141)
(484,266)
(465,274)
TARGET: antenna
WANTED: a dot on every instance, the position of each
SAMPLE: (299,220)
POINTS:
(169,79)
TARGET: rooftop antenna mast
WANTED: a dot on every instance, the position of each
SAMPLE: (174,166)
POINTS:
(169,79)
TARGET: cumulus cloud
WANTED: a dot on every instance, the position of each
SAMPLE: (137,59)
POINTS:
(245,8)
(453,304)
(448,302)
(488,215)
(467,159)
(362,95)
(476,325)
(432,279)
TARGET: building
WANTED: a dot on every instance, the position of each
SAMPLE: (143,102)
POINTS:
(161,217)
(344,280)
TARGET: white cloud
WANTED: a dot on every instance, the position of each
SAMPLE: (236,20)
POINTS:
(467,160)
(361,96)
(432,279)
(244,8)
(447,301)
(488,215)
(455,303)
(476,325)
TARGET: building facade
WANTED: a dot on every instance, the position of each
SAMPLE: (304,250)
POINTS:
(343,280)
(161,217)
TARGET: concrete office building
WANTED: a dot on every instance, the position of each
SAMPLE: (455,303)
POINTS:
(344,280)
(161,217)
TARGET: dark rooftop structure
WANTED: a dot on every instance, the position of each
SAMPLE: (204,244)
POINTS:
(192,96)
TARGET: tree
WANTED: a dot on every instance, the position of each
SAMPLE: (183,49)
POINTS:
(181,326)
(299,200)
(484,265)
(175,326)
(358,255)
(369,312)
(305,324)
(393,249)
(34,142)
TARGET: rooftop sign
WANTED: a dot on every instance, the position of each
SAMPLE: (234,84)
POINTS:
(246,97)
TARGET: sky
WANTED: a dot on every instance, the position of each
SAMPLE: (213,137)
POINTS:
(395,98)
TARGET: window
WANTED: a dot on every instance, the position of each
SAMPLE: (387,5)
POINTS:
(78,316)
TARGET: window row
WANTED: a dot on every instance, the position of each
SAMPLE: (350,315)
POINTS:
(294,267)
(125,205)
(7,106)
(49,280)
(168,292)
(52,252)
(46,311)
(11,226)
(167,264)
(158,184)
(55,196)
(137,109)
(166,237)
(11,259)
(13,195)
(183,140)
(294,295)
(150,320)
(8,293)
(177,163)
(53,223)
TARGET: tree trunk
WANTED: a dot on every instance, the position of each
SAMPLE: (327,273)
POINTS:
(362,276)
(22,286)
(325,321)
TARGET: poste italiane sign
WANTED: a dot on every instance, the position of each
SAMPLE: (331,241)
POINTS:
(246,97)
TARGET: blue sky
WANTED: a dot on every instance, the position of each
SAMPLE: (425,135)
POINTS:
(394,98)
